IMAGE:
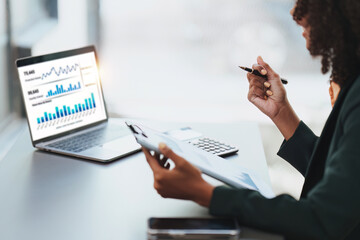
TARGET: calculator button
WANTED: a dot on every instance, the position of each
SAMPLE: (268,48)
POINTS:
(212,146)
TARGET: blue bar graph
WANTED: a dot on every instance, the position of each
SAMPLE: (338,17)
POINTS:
(64,107)
(60,112)
(87,105)
(92,96)
(60,89)
(90,103)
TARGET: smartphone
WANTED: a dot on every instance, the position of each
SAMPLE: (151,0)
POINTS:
(193,228)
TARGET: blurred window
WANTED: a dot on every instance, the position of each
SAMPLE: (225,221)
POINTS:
(177,60)
(4,40)
(30,21)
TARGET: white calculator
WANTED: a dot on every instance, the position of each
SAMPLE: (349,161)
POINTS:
(197,139)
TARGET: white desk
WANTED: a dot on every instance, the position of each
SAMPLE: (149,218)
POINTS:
(48,196)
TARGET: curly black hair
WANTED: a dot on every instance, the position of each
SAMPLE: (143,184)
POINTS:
(334,35)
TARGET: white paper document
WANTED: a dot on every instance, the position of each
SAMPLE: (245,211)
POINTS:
(210,164)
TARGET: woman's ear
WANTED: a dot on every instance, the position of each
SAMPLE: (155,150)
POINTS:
(334,90)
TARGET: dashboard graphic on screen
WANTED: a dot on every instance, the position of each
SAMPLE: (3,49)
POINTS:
(62,94)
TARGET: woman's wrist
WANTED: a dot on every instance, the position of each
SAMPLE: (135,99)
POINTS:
(204,194)
(286,120)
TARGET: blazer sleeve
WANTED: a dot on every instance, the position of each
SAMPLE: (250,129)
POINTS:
(331,209)
(299,148)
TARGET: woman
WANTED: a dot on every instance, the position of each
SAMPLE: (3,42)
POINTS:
(329,206)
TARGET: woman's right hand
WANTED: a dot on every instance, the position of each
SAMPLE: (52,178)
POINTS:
(268,95)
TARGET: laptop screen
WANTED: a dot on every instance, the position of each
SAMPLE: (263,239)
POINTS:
(61,92)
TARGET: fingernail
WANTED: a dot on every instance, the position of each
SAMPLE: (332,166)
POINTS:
(268,92)
(263,71)
(266,84)
(162,146)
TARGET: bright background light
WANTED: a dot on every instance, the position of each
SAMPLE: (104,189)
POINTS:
(177,60)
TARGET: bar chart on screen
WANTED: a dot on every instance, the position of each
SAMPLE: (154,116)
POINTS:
(61,89)
(85,108)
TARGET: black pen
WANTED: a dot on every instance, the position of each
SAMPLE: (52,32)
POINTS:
(256,72)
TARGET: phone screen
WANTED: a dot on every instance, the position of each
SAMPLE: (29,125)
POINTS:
(192,223)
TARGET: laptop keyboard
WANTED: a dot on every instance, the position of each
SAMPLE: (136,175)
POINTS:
(88,140)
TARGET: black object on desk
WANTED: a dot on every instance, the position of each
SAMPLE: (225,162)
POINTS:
(193,228)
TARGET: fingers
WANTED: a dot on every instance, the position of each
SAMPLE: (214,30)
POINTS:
(259,68)
(154,164)
(161,159)
(258,92)
(269,93)
(258,86)
(264,64)
(257,81)
(269,71)
(167,152)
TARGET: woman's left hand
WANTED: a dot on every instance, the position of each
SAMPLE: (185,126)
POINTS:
(184,181)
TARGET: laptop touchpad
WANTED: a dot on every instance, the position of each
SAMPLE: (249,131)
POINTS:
(124,144)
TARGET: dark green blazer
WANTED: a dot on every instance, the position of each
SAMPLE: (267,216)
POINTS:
(329,206)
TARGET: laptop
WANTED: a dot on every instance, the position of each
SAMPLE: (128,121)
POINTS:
(66,110)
